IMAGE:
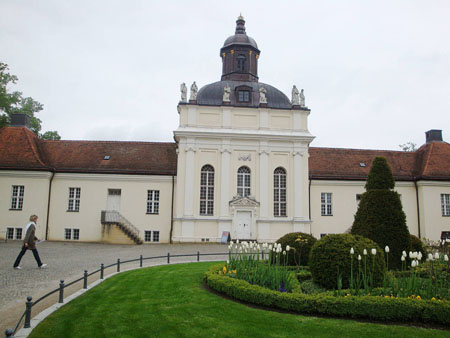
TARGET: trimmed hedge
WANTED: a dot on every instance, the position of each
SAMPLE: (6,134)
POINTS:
(330,256)
(367,307)
(300,244)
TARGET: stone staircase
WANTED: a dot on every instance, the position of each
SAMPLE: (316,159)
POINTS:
(111,217)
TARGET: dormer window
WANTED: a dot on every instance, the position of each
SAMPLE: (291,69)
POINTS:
(244,96)
(241,63)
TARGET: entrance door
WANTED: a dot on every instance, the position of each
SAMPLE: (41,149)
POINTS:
(113,201)
(244,221)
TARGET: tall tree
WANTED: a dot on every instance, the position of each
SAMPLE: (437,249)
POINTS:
(14,103)
(380,215)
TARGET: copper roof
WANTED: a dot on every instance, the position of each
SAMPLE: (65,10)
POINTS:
(20,149)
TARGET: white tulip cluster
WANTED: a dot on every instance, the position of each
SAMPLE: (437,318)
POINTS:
(414,256)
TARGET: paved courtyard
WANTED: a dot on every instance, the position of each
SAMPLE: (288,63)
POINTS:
(68,261)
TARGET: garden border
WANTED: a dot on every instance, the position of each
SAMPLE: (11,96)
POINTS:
(355,307)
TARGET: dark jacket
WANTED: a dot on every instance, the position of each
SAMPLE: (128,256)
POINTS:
(30,237)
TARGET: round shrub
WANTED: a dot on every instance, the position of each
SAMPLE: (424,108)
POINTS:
(417,245)
(330,257)
(300,244)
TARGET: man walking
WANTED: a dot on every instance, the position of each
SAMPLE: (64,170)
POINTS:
(29,242)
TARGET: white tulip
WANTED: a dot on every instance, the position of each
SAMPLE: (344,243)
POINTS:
(288,248)
(436,255)
(228,262)
(365,252)
(443,242)
(447,240)
(430,257)
(410,254)
(446,258)
(414,255)
(359,257)
(386,249)
(352,251)
(417,262)
(284,252)
(270,247)
(403,258)
(374,252)
(413,263)
(419,256)
(404,254)
(237,241)
(279,245)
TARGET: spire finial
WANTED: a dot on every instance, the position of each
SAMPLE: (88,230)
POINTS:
(240,25)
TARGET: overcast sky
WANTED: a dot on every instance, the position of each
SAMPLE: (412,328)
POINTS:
(376,74)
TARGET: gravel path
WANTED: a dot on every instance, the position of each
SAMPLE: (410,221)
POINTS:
(68,261)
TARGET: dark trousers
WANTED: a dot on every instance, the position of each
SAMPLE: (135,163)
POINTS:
(35,254)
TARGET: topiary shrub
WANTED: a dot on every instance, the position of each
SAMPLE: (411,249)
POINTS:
(300,244)
(417,245)
(330,256)
(380,215)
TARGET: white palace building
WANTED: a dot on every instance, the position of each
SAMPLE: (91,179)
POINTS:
(241,163)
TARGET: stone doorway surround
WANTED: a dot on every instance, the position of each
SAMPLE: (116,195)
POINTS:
(238,206)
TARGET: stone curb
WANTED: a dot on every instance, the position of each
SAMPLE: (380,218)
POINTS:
(23,333)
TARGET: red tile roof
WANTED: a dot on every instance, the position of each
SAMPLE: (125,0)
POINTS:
(21,149)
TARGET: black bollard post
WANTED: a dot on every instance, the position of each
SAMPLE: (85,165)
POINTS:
(85,279)
(118,264)
(9,333)
(28,306)
(61,291)
(140,261)
(102,268)
(198,256)
(168,258)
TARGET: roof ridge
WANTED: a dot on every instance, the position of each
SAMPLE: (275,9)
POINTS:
(32,146)
(360,149)
(105,141)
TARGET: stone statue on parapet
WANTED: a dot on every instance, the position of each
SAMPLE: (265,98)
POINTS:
(183,90)
(262,95)
(194,91)
(295,96)
(302,99)
(226,93)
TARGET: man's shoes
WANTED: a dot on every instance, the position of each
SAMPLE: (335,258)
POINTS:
(43,266)
(17,268)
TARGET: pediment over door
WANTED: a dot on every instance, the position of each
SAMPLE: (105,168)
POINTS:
(246,202)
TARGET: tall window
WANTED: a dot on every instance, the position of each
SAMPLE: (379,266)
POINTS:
(17,197)
(74,199)
(243,181)
(207,190)
(241,63)
(152,201)
(445,204)
(325,199)
(279,192)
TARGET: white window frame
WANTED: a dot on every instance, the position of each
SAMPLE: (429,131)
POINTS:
(69,232)
(13,234)
(151,236)
(445,205)
(17,194)
(326,204)
(73,234)
(9,233)
(153,202)
(74,199)
(244,181)
(207,190)
(279,192)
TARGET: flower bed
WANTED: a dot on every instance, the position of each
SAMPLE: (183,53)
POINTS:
(368,307)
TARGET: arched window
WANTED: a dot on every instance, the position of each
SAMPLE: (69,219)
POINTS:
(243,181)
(279,192)
(241,63)
(207,190)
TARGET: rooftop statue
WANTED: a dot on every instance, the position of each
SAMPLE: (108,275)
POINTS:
(226,93)
(262,95)
(194,90)
(295,96)
(302,99)
(183,90)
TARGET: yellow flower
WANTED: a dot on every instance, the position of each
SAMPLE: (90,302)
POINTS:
(433,298)
(224,269)
(234,271)
(418,297)
(386,296)
(220,272)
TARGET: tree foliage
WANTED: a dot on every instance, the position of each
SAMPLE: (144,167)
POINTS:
(408,146)
(13,102)
(380,215)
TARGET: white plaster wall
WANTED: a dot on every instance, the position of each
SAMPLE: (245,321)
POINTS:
(432,222)
(94,192)
(344,205)
(34,200)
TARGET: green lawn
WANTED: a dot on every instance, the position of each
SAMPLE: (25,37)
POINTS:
(170,301)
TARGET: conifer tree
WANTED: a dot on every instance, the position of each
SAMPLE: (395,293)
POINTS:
(380,215)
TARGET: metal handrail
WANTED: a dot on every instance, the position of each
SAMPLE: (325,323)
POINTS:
(27,313)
